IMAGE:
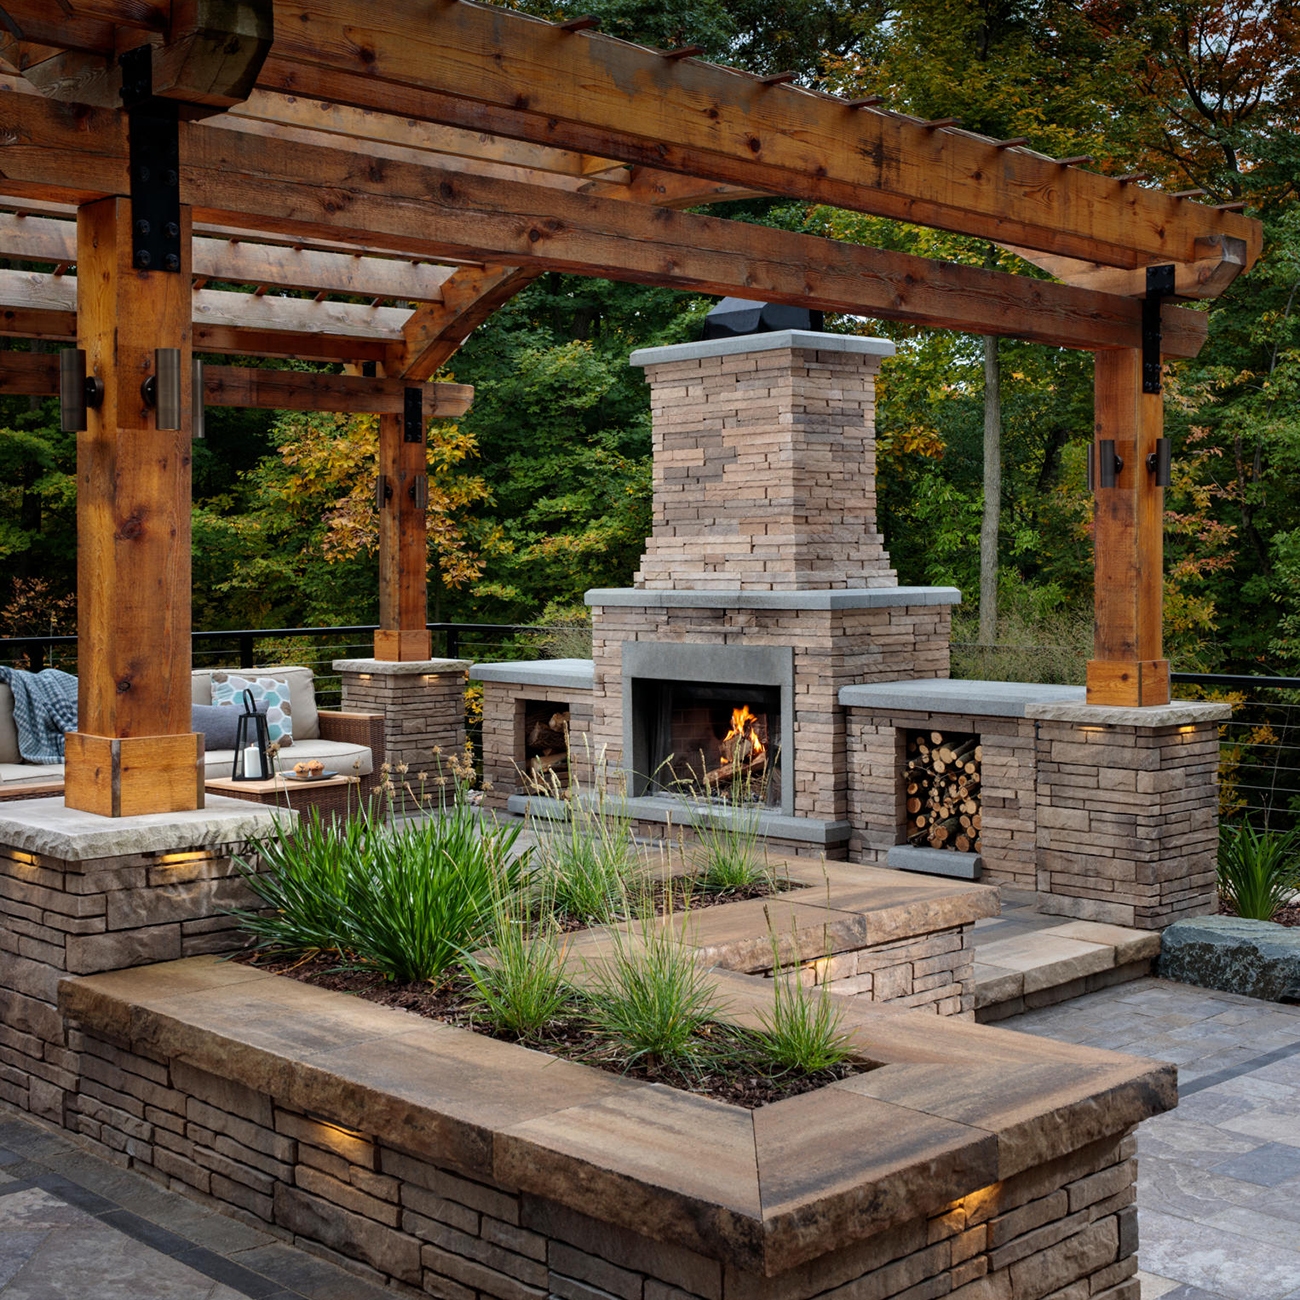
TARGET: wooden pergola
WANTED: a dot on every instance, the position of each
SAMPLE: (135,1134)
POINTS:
(430,158)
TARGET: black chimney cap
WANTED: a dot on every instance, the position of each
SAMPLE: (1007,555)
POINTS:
(734,317)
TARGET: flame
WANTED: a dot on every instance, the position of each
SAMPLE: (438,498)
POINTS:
(744,731)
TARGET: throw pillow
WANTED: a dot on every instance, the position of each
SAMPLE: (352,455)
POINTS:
(218,723)
(228,690)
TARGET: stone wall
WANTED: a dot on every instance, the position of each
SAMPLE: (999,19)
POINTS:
(1064,1229)
(503,736)
(78,915)
(765,465)
(1128,812)
(832,648)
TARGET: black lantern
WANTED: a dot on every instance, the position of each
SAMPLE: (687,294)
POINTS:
(252,744)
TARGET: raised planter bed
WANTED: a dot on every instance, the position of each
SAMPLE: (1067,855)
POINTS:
(971,1157)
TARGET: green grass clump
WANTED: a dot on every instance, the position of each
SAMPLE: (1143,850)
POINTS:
(729,854)
(802,1032)
(520,985)
(651,998)
(1259,871)
(587,864)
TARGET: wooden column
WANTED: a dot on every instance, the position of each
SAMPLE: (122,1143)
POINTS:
(134,750)
(403,543)
(1128,667)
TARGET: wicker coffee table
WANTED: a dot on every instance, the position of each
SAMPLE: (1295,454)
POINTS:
(337,795)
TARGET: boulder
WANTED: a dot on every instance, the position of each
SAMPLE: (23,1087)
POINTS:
(1259,959)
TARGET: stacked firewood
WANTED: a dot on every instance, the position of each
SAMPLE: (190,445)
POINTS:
(941,779)
(546,737)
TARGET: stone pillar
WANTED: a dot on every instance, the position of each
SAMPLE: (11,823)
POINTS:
(1127,811)
(423,703)
(80,895)
(765,464)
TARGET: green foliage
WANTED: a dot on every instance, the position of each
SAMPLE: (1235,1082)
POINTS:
(728,853)
(520,985)
(803,1030)
(650,996)
(406,901)
(1259,870)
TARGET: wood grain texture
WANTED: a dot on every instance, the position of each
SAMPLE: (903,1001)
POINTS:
(133,499)
(403,548)
(131,776)
(428,211)
(512,75)
(1128,540)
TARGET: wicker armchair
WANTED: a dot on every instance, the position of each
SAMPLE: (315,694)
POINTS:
(358,729)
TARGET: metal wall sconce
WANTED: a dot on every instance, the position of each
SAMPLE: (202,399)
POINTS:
(1160,462)
(77,390)
(383,492)
(197,427)
(1108,463)
(162,390)
(419,491)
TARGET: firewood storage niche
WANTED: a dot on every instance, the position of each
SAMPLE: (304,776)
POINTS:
(941,790)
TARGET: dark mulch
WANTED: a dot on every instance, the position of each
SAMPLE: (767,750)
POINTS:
(1288,916)
(686,893)
(723,1070)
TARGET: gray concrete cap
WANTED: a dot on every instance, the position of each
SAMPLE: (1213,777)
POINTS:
(47,827)
(935,862)
(732,598)
(1178,714)
(943,695)
(563,674)
(401,668)
(804,340)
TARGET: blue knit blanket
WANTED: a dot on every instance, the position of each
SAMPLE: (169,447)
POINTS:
(45,706)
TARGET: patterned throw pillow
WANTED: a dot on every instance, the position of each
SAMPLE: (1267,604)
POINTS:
(229,688)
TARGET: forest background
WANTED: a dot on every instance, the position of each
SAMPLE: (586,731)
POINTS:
(543,490)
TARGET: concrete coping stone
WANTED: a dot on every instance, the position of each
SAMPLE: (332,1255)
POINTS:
(402,668)
(944,695)
(734,598)
(799,340)
(49,828)
(561,674)
(1178,714)
(664,809)
(1258,959)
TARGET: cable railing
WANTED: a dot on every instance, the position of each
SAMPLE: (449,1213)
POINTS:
(1259,747)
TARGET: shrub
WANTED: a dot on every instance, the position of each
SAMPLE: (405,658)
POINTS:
(520,986)
(651,997)
(1259,871)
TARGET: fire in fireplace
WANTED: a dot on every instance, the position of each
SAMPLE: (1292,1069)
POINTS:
(712,739)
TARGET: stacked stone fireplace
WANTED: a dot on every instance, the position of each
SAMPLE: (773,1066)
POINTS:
(765,587)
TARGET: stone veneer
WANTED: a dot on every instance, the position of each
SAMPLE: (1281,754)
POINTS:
(1128,807)
(838,638)
(422,703)
(81,894)
(443,1161)
(764,464)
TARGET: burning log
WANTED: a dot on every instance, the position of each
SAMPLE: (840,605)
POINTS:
(743,752)
(941,780)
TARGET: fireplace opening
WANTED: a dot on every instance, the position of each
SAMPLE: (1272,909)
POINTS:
(710,739)
(941,787)
(546,743)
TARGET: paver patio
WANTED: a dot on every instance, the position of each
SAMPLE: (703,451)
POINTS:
(1218,1178)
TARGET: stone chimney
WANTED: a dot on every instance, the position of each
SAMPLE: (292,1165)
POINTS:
(764,464)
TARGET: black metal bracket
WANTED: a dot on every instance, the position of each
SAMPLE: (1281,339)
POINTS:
(1160,285)
(153,133)
(413,415)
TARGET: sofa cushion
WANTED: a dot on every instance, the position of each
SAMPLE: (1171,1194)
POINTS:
(270,695)
(8,727)
(29,773)
(219,723)
(337,757)
(302,699)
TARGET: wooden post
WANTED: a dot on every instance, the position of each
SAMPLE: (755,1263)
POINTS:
(133,750)
(403,543)
(1128,667)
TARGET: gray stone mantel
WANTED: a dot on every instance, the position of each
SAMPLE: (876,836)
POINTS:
(48,828)
(1180,713)
(830,598)
(965,698)
(562,674)
(809,340)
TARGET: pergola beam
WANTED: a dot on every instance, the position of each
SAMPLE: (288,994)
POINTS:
(483,68)
(36,374)
(232,178)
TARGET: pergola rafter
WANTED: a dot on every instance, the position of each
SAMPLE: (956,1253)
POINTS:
(429,158)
